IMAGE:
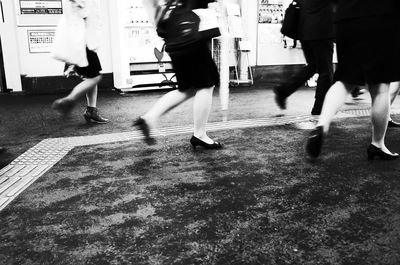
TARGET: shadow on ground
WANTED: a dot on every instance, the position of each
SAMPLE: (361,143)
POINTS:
(258,201)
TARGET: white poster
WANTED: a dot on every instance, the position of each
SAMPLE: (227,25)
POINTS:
(40,41)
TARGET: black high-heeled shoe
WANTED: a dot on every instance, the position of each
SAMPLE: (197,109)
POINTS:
(373,151)
(197,142)
(314,142)
(142,125)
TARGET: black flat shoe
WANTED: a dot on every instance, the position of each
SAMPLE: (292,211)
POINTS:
(393,124)
(314,142)
(373,151)
(197,142)
(142,125)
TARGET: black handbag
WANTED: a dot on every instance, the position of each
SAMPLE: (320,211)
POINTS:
(291,21)
(180,26)
(181,29)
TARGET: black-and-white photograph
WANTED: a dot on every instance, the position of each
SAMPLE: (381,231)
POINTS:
(199,132)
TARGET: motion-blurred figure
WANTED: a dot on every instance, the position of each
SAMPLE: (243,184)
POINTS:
(87,10)
(316,33)
(197,75)
(368,53)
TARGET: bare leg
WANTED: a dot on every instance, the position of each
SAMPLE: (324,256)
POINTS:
(91,97)
(87,86)
(83,87)
(394,91)
(379,114)
(334,99)
(201,111)
(165,104)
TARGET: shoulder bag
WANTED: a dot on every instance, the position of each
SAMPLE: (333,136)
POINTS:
(180,26)
(291,21)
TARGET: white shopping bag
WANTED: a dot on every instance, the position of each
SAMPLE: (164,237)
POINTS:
(209,26)
(70,42)
(208,18)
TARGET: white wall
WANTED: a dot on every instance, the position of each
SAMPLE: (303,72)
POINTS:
(41,64)
(250,25)
(9,45)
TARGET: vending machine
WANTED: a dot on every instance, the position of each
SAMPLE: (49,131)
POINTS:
(139,58)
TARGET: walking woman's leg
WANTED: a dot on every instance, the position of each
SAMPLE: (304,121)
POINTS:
(334,99)
(379,114)
(201,111)
(92,113)
(165,104)
(91,97)
(148,122)
(64,105)
(394,89)
(83,87)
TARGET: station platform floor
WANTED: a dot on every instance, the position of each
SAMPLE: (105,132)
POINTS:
(27,121)
(39,141)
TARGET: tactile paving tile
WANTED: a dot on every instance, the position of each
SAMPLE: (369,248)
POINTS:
(35,162)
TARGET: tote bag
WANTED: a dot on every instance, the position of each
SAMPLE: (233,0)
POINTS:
(291,21)
(70,42)
(209,24)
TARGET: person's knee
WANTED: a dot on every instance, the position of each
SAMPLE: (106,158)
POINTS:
(378,89)
(98,78)
(95,80)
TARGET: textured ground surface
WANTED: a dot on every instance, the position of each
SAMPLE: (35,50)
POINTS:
(258,201)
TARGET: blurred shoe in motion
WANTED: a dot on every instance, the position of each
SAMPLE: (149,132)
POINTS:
(142,125)
(63,106)
(314,142)
(279,98)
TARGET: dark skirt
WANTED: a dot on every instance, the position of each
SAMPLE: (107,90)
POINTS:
(94,67)
(194,67)
(368,50)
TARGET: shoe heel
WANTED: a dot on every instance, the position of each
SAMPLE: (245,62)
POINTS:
(373,151)
(194,145)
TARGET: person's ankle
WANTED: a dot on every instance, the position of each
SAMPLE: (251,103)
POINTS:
(91,108)
(325,128)
(151,121)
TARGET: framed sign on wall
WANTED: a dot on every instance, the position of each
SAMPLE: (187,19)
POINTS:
(43,7)
(40,41)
